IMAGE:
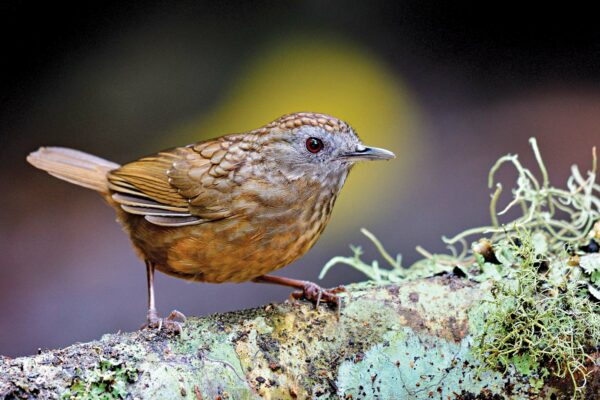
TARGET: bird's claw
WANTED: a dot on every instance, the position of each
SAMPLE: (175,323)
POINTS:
(316,294)
(173,323)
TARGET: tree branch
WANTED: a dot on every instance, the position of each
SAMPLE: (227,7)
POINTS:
(405,341)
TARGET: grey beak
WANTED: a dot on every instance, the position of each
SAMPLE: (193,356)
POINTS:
(369,153)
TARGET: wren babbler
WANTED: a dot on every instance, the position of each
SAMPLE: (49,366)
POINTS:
(230,209)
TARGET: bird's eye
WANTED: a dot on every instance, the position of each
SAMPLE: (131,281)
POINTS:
(314,145)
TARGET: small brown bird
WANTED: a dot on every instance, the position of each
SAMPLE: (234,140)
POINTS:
(230,209)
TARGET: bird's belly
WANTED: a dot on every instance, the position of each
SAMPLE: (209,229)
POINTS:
(228,250)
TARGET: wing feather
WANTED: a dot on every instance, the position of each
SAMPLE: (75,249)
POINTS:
(153,211)
(135,201)
(173,221)
(179,187)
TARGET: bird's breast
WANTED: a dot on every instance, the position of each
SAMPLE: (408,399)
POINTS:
(271,226)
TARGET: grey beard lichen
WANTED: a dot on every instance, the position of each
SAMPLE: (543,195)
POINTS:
(542,319)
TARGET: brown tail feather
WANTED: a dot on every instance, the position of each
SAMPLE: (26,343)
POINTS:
(73,166)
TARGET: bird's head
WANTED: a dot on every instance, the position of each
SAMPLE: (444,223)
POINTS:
(315,146)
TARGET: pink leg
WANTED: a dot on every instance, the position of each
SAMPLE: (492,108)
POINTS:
(175,319)
(308,290)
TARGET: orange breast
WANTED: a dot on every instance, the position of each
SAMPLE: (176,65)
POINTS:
(260,238)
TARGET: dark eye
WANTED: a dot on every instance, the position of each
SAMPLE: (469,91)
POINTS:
(314,145)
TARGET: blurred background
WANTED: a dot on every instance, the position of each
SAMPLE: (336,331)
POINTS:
(449,88)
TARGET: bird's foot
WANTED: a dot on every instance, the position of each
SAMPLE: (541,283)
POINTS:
(316,294)
(173,323)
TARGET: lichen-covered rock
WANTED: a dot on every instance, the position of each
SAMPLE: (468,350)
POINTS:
(405,341)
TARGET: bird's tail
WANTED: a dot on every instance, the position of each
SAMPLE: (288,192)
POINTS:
(73,166)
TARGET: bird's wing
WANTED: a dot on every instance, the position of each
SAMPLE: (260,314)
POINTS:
(183,186)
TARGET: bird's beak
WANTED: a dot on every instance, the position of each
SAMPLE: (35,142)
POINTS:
(368,153)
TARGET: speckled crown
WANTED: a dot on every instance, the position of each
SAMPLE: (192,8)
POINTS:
(296,120)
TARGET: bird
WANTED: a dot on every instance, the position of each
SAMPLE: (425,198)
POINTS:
(229,209)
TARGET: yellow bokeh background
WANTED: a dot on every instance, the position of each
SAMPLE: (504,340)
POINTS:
(333,77)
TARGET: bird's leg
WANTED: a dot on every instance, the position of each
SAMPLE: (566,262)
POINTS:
(175,319)
(308,290)
(152,314)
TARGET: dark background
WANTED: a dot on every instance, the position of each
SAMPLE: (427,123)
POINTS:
(455,87)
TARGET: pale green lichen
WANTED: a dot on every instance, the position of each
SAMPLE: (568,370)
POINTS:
(107,381)
(411,366)
(544,317)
